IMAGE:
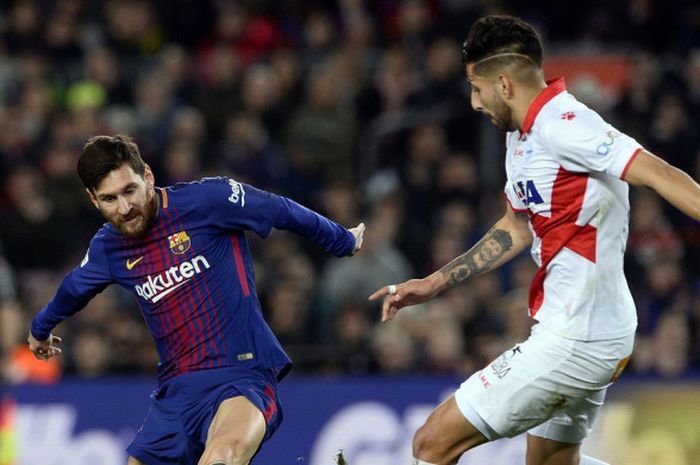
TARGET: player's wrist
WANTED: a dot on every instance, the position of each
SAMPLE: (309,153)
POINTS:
(437,282)
(38,334)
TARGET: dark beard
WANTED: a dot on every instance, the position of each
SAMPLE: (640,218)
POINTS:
(149,214)
(504,117)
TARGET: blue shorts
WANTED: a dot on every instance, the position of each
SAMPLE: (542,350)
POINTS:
(176,426)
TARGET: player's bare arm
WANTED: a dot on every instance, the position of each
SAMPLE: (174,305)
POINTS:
(673,184)
(494,249)
(505,240)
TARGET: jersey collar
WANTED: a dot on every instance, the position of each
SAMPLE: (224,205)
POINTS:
(554,87)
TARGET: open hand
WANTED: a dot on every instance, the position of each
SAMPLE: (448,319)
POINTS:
(44,350)
(397,296)
(359,232)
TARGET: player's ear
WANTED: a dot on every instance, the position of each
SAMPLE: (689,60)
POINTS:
(504,84)
(148,176)
(93,199)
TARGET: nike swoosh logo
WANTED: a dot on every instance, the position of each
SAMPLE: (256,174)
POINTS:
(130,264)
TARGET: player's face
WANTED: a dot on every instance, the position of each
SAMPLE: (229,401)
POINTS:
(487,100)
(127,200)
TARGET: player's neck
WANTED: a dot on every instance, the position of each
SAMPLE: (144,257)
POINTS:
(156,196)
(523,101)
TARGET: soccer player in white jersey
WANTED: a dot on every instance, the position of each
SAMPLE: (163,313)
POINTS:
(567,197)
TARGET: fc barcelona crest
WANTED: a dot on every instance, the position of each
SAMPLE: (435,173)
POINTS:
(179,242)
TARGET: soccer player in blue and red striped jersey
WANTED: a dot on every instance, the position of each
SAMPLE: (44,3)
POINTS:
(182,251)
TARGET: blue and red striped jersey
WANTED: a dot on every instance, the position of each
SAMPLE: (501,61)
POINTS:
(192,274)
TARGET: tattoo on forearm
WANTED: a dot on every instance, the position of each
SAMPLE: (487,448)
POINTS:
(480,258)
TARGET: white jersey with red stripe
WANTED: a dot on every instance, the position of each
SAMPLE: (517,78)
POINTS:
(565,170)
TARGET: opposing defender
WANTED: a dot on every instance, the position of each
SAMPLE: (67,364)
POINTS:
(566,197)
(182,251)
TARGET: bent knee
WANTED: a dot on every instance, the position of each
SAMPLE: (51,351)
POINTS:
(420,440)
(229,452)
(427,444)
(436,443)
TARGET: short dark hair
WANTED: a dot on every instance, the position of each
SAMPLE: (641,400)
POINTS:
(507,36)
(103,154)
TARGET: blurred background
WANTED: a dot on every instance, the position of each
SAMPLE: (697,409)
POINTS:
(359,110)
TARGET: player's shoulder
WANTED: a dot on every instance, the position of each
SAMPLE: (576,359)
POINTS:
(205,190)
(570,118)
(198,184)
(566,108)
(106,232)
(97,247)
(195,189)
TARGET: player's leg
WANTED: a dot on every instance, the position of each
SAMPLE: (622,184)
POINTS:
(484,408)
(558,440)
(541,451)
(445,436)
(160,440)
(235,433)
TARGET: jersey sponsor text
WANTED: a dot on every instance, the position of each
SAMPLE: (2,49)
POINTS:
(237,193)
(157,287)
(528,192)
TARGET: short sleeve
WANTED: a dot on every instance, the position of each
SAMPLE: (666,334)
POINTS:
(516,204)
(232,205)
(586,143)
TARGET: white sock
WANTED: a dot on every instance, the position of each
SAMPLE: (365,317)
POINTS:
(420,462)
(586,460)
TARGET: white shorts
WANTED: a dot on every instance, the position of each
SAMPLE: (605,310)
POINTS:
(550,386)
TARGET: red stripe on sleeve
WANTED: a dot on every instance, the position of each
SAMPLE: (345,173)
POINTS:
(629,162)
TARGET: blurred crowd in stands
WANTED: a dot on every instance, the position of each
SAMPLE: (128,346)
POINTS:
(358,109)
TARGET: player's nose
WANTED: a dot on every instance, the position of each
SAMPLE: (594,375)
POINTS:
(477,105)
(123,206)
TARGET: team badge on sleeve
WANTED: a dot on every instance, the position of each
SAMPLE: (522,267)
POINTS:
(179,242)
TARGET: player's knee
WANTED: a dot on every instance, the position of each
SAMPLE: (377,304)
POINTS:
(228,452)
(217,453)
(419,442)
(425,444)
